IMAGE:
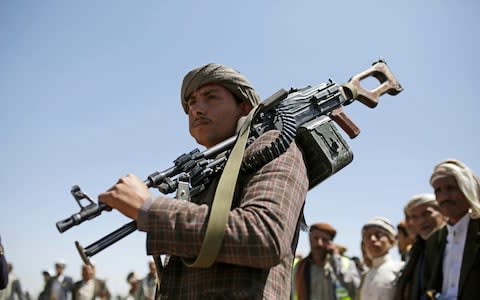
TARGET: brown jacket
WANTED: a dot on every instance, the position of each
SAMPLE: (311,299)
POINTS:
(255,260)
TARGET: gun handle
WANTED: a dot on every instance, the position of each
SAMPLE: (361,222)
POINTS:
(382,73)
(341,118)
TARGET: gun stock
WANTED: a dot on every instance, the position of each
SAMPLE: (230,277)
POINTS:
(370,98)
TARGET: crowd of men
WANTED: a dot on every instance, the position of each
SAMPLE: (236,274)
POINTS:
(439,245)
(59,286)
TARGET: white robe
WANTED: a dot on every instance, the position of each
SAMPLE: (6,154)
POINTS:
(379,282)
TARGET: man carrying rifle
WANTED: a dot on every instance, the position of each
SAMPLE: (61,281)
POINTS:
(255,257)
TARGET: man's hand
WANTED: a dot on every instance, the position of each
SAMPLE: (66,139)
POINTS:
(127,195)
(330,247)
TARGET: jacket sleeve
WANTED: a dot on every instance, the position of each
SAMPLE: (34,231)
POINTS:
(259,231)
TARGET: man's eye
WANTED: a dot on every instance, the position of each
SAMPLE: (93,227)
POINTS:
(452,188)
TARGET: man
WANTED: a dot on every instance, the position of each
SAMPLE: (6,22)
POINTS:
(424,215)
(13,290)
(90,288)
(45,293)
(378,237)
(135,291)
(61,284)
(324,274)
(257,251)
(453,252)
(3,267)
(149,283)
(405,240)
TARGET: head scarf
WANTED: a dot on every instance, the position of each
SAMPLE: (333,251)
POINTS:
(468,182)
(420,199)
(229,78)
(382,223)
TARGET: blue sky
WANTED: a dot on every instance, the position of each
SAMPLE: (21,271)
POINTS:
(90,92)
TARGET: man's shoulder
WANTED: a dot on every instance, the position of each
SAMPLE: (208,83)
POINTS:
(436,237)
(475,223)
(267,139)
(12,277)
(100,282)
(473,231)
(393,264)
(262,141)
(435,244)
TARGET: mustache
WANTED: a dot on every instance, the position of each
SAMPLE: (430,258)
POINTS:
(445,202)
(200,120)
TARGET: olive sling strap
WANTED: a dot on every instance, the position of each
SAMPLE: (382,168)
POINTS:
(222,201)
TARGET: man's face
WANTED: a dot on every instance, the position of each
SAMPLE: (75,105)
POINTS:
(320,243)
(425,219)
(453,203)
(377,242)
(133,280)
(151,267)
(404,241)
(87,272)
(59,268)
(410,226)
(213,113)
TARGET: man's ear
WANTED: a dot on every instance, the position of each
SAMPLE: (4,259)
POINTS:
(246,107)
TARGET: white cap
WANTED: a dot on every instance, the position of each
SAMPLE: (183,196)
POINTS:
(382,223)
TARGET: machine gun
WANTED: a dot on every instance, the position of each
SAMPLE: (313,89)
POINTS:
(305,115)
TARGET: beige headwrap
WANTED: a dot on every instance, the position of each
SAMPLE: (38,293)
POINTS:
(420,199)
(384,224)
(231,79)
(468,182)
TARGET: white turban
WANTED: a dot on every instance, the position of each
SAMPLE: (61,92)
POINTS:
(382,223)
(468,182)
(420,199)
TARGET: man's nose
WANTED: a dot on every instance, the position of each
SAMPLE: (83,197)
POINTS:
(422,220)
(198,108)
(441,195)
